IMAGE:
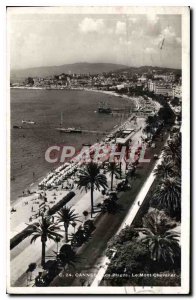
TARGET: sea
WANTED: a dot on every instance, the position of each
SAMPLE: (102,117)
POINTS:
(51,109)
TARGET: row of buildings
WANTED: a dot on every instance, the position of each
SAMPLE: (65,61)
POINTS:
(161,84)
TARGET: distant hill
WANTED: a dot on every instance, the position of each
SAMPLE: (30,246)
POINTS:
(83,68)
(147,69)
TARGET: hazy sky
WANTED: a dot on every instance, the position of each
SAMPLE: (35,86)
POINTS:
(55,39)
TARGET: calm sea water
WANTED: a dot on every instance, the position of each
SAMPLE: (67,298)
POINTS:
(28,145)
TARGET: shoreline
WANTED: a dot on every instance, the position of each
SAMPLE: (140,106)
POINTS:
(111,93)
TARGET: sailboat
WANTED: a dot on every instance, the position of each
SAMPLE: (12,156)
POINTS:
(67,130)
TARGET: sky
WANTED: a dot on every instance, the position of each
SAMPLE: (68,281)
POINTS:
(133,40)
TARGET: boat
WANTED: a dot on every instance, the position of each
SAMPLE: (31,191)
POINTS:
(66,130)
(28,122)
(76,130)
(17,127)
(69,130)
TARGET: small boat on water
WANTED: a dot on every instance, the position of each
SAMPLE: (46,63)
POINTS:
(69,130)
(17,127)
(76,130)
(28,122)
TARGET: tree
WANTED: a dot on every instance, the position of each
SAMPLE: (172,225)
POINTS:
(175,101)
(129,258)
(127,234)
(165,169)
(173,150)
(45,230)
(166,114)
(157,221)
(90,178)
(66,215)
(30,81)
(168,196)
(113,169)
(162,242)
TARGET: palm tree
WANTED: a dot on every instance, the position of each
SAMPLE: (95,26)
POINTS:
(66,215)
(114,169)
(173,151)
(160,237)
(90,178)
(165,169)
(45,230)
(168,196)
(162,247)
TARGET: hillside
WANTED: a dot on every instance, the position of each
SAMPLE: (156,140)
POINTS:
(77,68)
